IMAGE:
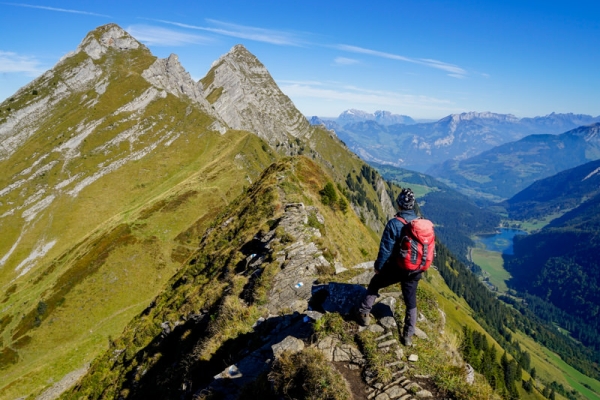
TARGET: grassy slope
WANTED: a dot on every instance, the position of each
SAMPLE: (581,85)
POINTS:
(102,303)
(298,180)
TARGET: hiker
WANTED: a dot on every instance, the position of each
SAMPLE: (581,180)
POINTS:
(388,270)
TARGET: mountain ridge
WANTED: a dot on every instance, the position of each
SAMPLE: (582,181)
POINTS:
(112,168)
(420,146)
(507,169)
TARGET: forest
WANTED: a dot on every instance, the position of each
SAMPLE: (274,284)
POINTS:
(499,319)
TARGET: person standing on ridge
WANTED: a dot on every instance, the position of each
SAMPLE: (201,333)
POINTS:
(388,272)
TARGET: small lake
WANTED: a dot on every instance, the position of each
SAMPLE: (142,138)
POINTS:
(502,242)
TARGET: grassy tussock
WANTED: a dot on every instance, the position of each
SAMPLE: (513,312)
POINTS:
(307,375)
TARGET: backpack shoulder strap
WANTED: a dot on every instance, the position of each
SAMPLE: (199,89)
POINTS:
(404,222)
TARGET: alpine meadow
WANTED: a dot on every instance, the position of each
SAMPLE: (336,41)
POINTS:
(165,237)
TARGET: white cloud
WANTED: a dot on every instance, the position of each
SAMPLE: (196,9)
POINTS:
(14,63)
(58,9)
(345,61)
(366,98)
(157,36)
(244,32)
(454,70)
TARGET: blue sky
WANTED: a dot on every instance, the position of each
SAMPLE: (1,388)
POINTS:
(426,59)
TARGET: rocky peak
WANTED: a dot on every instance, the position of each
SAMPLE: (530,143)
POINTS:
(168,74)
(98,41)
(246,97)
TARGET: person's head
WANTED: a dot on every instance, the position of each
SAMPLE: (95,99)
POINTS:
(406,199)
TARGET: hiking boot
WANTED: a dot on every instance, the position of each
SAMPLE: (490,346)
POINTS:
(362,319)
(407,341)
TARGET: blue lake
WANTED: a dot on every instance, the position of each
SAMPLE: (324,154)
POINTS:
(501,242)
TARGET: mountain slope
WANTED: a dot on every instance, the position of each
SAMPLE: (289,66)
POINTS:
(507,169)
(243,93)
(559,264)
(556,194)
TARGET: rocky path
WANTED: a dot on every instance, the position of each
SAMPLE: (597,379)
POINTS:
(289,327)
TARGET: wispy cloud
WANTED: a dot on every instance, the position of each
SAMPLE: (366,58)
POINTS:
(157,36)
(453,70)
(345,61)
(367,98)
(14,63)
(244,32)
(65,10)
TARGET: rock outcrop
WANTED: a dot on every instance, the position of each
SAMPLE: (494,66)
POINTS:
(244,95)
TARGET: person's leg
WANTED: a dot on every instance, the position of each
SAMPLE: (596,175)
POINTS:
(386,277)
(376,283)
(409,293)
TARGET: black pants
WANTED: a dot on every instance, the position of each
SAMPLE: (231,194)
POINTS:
(391,274)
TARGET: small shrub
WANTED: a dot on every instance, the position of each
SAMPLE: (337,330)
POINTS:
(329,195)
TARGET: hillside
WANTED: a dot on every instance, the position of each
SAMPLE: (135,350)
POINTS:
(503,171)
(559,264)
(555,195)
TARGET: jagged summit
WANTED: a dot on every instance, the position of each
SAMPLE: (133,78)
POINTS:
(246,97)
(98,41)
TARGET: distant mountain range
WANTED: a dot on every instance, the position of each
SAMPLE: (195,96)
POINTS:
(419,146)
(509,168)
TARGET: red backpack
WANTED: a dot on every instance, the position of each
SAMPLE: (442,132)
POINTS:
(417,246)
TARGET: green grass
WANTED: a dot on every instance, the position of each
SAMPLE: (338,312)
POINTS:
(492,263)
(550,367)
(537,224)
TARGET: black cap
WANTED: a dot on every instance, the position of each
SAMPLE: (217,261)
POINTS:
(406,199)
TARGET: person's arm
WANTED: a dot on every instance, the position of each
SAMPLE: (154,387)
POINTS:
(388,239)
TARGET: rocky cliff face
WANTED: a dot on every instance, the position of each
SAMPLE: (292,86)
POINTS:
(245,96)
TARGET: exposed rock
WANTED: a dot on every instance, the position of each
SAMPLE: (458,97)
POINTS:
(395,391)
(384,308)
(63,385)
(470,379)
(245,96)
(340,297)
(346,352)
(413,358)
(327,346)
(388,323)
(420,334)
(363,279)
(365,265)
(339,267)
(169,74)
(290,343)
(424,394)
(97,42)
(376,328)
